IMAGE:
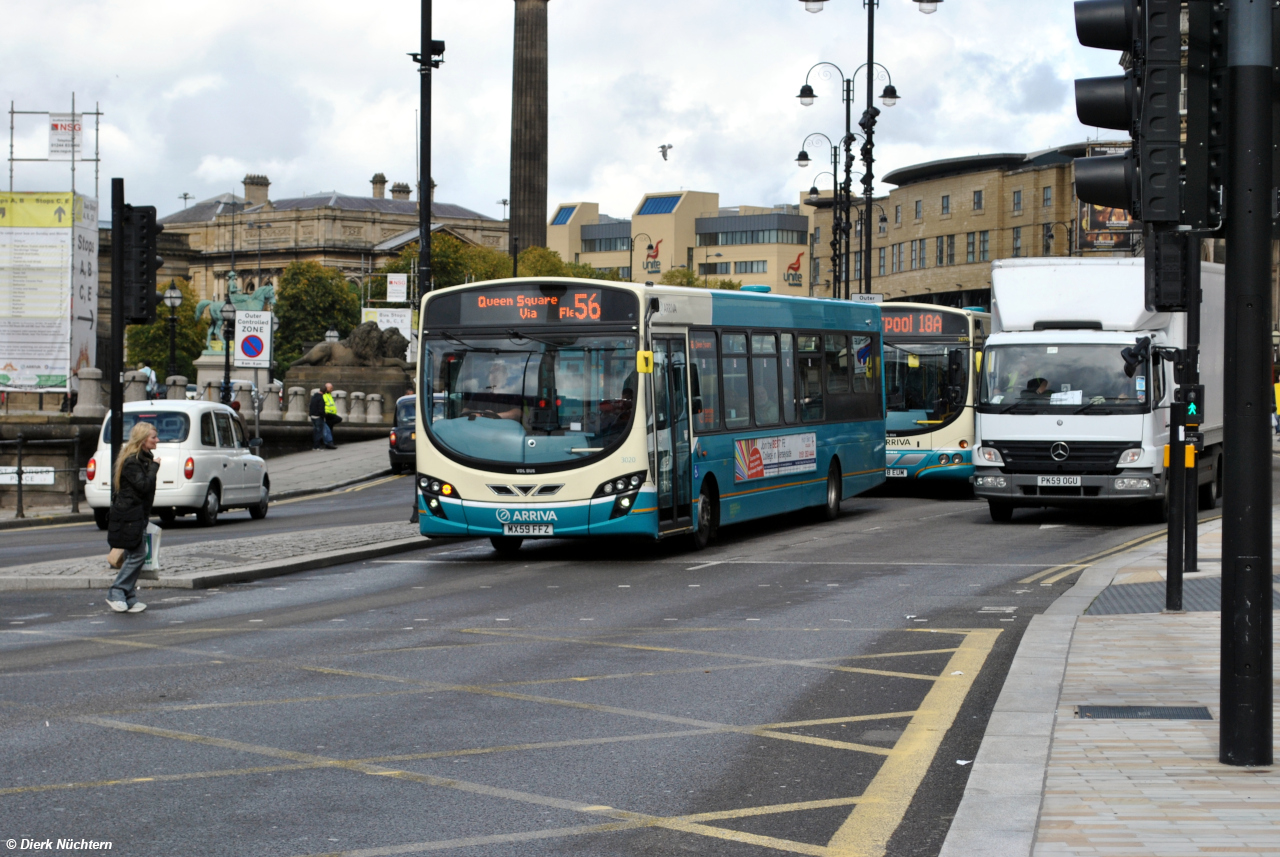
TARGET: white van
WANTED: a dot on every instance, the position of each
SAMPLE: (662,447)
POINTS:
(207,462)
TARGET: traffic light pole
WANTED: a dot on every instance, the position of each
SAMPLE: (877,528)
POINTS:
(1175,496)
(1191,376)
(1245,668)
(118,287)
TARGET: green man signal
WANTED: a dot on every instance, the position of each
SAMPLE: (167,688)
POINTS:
(1193,396)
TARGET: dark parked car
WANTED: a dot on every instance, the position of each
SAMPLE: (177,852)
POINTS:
(404,439)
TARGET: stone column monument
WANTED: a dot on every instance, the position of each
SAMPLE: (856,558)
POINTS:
(529,125)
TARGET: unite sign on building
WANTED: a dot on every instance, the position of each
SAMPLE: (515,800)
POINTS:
(48,285)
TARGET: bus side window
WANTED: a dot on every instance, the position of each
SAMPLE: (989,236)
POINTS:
(702,345)
(764,372)
(788,377)
(809,364)
(737,391)
(839,387)
(866,376)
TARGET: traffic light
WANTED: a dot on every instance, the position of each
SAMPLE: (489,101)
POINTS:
(1143,101)
(141,262)
(1172,261)
(1206,146)
(1193,396)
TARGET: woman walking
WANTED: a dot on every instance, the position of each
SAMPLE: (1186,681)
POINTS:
(135,479)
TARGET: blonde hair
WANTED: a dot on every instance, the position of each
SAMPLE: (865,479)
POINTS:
(137,437)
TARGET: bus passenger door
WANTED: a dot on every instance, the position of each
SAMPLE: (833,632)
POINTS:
(671,430)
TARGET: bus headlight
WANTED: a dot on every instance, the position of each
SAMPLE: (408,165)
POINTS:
(624,490)
(944,459)
(989,455)
(432,490)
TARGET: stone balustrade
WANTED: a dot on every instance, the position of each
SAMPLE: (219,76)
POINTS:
(177,387)
(299,402)
(91,398)
(373,407)
(356,414)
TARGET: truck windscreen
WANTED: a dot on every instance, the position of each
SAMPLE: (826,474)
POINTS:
(1043,378)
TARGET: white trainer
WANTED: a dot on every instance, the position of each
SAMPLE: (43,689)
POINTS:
(137,607)
(118,606)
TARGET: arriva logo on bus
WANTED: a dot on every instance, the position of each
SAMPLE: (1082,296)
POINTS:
(506,516)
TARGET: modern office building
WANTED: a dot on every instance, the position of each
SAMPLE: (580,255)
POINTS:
(688,229)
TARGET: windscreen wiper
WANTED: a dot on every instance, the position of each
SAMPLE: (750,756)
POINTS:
(449,336)
(1087,405)
(1009,408)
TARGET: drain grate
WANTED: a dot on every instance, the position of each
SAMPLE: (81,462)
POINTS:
(1143,712)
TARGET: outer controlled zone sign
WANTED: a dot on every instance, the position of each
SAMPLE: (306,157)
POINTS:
(766,457)
(253,340)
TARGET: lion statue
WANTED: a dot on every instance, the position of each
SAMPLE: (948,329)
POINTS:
(368,345)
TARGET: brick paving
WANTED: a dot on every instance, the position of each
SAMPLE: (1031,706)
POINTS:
(1150,787)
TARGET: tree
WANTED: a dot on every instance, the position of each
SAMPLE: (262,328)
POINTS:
(310,299)
(151,341)
(541,262)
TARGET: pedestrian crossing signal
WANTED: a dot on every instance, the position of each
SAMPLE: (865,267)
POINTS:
(1192,395)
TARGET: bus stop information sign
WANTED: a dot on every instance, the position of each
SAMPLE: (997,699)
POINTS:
(253,340)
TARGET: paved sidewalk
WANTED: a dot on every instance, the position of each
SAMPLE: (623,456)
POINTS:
(1049,783)
(295,475)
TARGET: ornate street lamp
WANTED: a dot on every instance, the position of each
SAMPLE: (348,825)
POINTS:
(331,335)
(631,254)
(228,343)
(928,7)
(813,5)
(173,299)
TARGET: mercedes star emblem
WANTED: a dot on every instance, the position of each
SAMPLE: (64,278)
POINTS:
(1059,451)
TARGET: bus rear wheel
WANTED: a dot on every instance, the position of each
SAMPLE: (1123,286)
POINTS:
(506,545)
(831,509)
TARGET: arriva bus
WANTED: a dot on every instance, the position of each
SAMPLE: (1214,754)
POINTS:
(930,354)
(562,408)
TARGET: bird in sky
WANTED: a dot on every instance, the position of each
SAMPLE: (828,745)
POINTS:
(664,148)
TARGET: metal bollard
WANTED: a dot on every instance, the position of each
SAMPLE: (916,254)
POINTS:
(75,474)
(19,513)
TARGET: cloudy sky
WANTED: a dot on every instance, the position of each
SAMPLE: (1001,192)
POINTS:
(319,95)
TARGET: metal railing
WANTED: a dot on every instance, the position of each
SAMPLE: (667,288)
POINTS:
(20,442)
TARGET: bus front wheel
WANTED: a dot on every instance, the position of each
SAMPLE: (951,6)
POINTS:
(706,520)
(1001,513)
(506,544)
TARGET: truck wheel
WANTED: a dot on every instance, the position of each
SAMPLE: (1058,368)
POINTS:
(506,545)
(1212,492)
(1001,512)
(831,508)
(100,518)
(706,520)
(207,515)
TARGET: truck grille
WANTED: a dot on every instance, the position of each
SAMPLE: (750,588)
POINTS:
(1097,457)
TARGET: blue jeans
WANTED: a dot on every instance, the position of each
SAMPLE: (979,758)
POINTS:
(320,432)
(125,587)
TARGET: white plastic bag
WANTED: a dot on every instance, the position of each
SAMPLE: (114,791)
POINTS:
(151,566)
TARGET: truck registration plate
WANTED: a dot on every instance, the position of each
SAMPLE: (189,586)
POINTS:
(1055,481)
(528,529)
(895,472)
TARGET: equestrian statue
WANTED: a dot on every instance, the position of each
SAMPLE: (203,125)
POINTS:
(260,299)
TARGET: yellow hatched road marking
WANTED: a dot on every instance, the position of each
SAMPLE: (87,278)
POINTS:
(868,829)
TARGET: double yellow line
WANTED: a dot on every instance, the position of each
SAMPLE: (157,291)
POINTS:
(1058,572)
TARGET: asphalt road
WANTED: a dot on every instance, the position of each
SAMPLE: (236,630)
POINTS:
(387,499)
(800,687)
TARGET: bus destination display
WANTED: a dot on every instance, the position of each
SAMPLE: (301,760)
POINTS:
(924,322)
(531,306)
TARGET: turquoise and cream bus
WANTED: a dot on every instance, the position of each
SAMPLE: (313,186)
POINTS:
(930,356)
(562,408)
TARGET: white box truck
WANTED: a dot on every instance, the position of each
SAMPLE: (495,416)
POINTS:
(1059,421)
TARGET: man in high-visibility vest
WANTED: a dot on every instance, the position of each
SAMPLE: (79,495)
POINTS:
(321,407)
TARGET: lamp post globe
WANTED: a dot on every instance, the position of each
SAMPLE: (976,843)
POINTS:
(928,7)
(807,95)
(814,6)
(331,335)
(802,159)
(813,194)
(172,297)
(890,96)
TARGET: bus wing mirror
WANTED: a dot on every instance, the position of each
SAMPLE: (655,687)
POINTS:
(955,394)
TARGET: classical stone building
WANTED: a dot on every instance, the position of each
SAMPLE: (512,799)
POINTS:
(354,234)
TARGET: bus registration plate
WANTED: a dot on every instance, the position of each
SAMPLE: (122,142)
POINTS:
(528,529)
(895,472)
(1056,481)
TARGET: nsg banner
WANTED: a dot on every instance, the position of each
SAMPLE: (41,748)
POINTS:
(48,289)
